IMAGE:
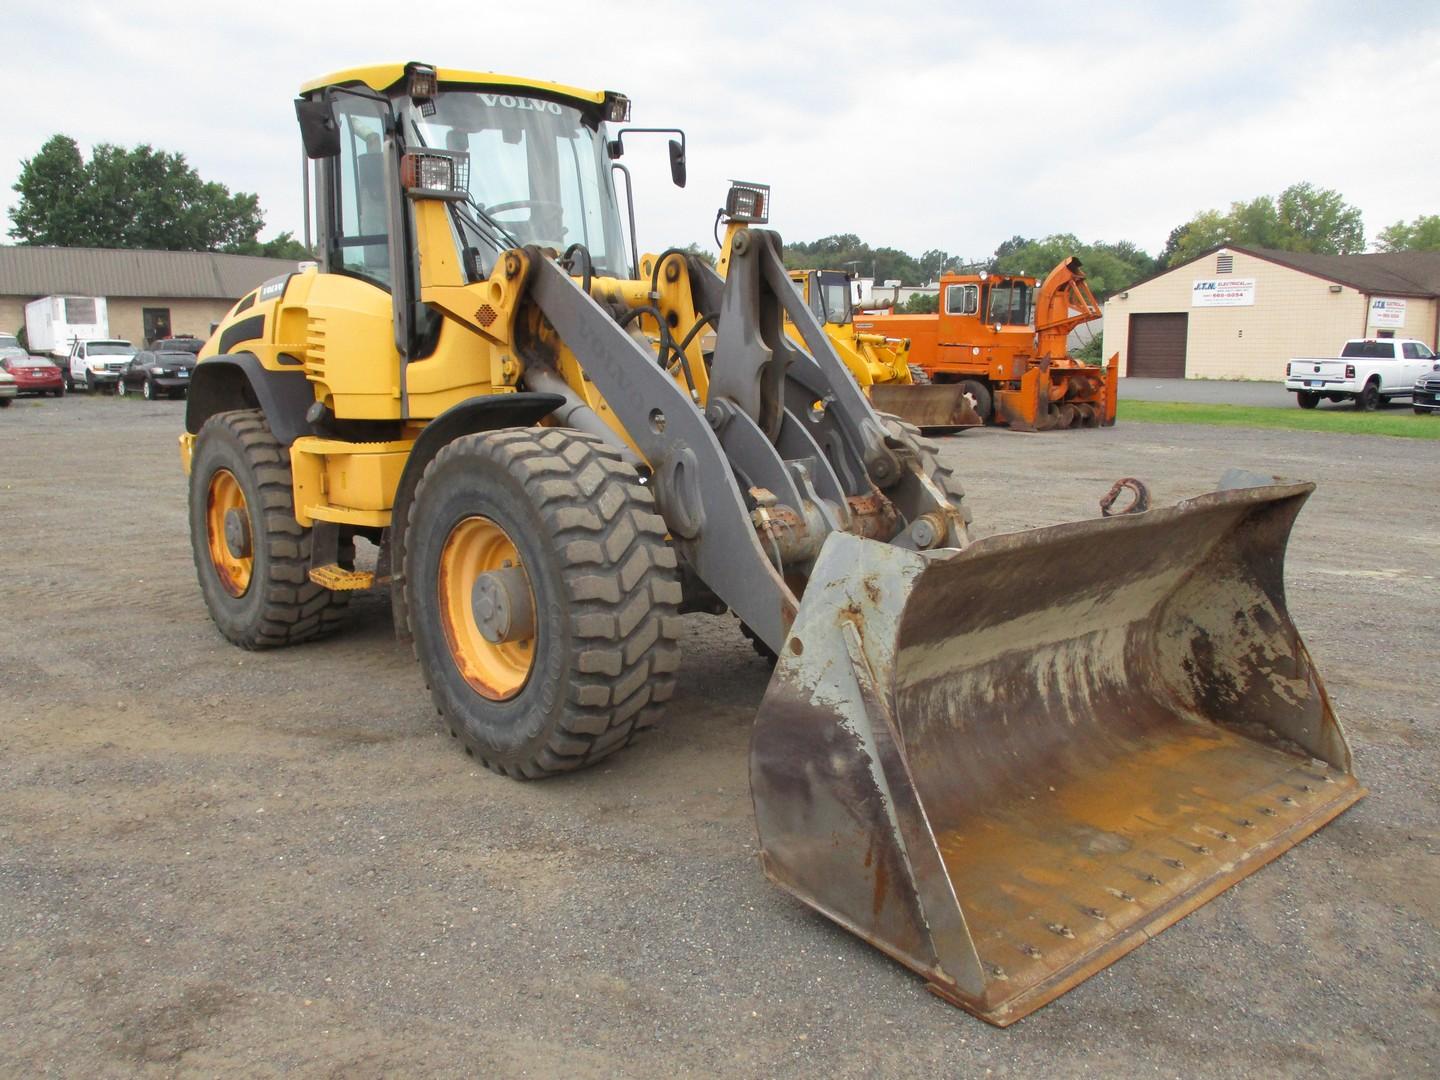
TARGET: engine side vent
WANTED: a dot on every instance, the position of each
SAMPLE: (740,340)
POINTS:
(485,315)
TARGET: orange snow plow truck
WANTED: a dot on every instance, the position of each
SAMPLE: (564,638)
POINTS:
(1004,337)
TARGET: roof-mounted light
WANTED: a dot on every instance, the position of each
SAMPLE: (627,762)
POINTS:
(617,107)
(748,203)
(436,174)
(422,86)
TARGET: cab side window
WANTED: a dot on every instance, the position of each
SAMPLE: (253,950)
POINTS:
(360,204)
(962,299)
(1411,350)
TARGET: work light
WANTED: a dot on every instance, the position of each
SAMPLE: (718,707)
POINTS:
(617,107)
(436,174)
(748,203)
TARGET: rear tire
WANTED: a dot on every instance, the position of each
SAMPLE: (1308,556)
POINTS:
(278,604)
(918,375)
(1369,398)
(1306,399)
(984,400)
(601,655)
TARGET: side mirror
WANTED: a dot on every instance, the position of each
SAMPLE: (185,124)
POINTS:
(677,162)
(318,129)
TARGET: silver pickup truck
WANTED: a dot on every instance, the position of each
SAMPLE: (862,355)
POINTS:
(1368,371)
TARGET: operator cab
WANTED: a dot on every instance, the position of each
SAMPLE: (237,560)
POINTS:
(827,294)
(520,164)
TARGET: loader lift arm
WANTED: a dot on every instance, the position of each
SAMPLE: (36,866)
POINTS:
(775,451)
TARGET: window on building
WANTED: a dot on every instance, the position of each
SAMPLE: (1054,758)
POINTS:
(155,322)
(1225,264)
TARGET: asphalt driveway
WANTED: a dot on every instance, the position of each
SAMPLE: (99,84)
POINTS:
(1210,392)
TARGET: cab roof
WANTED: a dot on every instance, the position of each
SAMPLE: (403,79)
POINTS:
(380,77)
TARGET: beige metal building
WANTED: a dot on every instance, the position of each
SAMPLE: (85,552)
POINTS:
(149,294)
(1241,313)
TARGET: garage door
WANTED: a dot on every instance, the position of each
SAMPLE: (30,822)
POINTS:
(1157,345)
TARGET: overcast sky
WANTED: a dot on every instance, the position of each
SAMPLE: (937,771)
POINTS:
(921,125)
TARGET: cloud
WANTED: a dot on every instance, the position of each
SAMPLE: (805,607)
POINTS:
(937,126)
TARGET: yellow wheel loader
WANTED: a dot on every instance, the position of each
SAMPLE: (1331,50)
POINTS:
(1004,762)
(880,364)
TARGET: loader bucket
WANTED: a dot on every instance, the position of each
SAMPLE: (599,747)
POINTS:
(1010,765)
(935,408)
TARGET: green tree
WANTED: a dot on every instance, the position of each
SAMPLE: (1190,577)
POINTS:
(137,198)
(695,249)
(54,196)
(1108,267)
(846,251)
(921,304)
(283,246)
(1302,218)
(1422,234)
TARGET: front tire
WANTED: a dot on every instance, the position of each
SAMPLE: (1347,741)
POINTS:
(1307,399)
(586,653)
(147,390)
(984,400)
(251,556)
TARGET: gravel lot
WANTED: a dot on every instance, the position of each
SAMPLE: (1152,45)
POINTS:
(214,861)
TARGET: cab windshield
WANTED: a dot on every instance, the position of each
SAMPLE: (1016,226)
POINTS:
(1011,303)
(538,174)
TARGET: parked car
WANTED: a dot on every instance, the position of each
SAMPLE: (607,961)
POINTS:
(1368,371)
(10,346)
(182,343)
(157,374)
(8,389)
(34,374)
(1425,397)
(97,364)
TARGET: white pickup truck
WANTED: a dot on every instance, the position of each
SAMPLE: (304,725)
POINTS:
(96,364)
(1368,371)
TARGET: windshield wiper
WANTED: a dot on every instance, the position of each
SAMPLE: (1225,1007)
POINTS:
(488,220)
(511,241)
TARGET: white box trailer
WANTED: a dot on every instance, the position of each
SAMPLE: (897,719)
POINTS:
(54,323)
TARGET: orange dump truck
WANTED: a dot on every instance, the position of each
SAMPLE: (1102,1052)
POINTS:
(1004,337)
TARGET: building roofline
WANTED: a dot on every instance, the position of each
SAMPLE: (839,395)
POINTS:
(1270,256)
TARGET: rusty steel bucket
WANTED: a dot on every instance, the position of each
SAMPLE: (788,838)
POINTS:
(1010,765)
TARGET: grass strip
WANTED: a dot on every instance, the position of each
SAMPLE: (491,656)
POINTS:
(1337,421)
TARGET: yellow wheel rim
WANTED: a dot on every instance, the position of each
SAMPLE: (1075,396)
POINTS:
(225,495)
(494,670)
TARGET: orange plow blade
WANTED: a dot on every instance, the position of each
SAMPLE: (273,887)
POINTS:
(1010,765)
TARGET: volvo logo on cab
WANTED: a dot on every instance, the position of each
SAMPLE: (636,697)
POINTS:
(508,101)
